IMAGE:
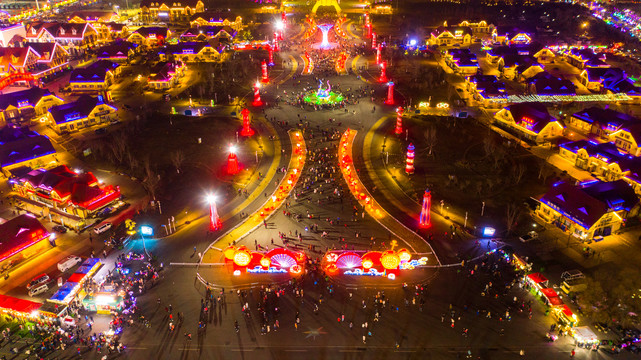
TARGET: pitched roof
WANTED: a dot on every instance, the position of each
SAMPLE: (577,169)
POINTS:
(19,233)
(184,48)
(163,71)
(95,72)
(602,74)
(158,31)
(587,204)
(22,98)
(210,31)
(532,116)
(78,109)
(547,84)
(21,144)
(171,4)
(624,86)
(214,16)
(93,15)
(58,29)
(511,31)
(454,30)
(119,49)
(604,117)
(15,56)
(46,50)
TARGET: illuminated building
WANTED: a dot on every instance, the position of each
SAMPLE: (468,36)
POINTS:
(165,74)
(69,35)
(484,87)
(584,58)
(590,209)
(8,33)
(96,77)
(22,237)
(462,61)
(169,11)
(600,122)
(85,112)
(544,83)
(20,146)
(507,35)
(208,32)
(530,121)
(149,36)
(451,35)
(53,58)
(16,61)
(479,26)
(64,195)
(200,51)
(25,105)
(595,78)
(213,18)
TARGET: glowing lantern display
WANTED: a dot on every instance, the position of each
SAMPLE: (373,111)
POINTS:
(229,252)
(247,130)
(390,93)
(373,40)
(367,263)
(265,262)
(390,260)
(242,257)
(331,257)
(425,210)
(296,269)
(409,160)
(378,54)
(257,101)
(331,269)
(271,56)
(404,255)
(383,77)
(399,121)
(263,67)
(232,162)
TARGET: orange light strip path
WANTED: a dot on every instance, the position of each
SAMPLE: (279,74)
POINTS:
(366,200)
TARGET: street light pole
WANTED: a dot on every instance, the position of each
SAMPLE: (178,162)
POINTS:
(483,208)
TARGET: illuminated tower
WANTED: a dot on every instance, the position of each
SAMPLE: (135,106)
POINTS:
(263,67)
(257,101)
(390,93)
(425,211)
(383,77)
(271,55)
(399,121)
(373,40)
(232,162)
(409,160)
(214,220)
(378,54)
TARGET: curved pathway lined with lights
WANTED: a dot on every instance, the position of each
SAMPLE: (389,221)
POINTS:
(278,197)
(373,208)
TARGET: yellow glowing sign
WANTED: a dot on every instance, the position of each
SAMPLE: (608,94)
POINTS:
(242,258)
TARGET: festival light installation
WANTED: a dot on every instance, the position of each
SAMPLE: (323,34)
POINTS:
(263,67)
(324,28)
(341,61)
(378,54)
(399,121)
(373,40)
(276,261)
(271,56)
(247,130)
(308,64)
(232,162)
(409,159)
(383,77)
(276,48)
(214,219)
(425,210)
(390,260)
(257,101)
(390,93)
(374,263)
(242,257)
(283,19)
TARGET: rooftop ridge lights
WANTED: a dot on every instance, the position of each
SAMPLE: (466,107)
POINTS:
(561,98)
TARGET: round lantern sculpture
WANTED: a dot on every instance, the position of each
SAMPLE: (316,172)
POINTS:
(265,262)
(390,260)
(296,269)
(242,257)
(229,252)
(367,264)
(404,255)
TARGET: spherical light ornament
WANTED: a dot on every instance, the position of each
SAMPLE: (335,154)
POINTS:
(265,262)
(296,269)
(367,264)
(242,257)
(390,260)
(229,252)
(404,255)
(331,269)
(331,257)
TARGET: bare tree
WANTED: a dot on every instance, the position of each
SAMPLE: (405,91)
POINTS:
(430,138)
(545,171)
(517,172)
(177,159)
(118,147)
(488,145)
(511,215)
(151,183)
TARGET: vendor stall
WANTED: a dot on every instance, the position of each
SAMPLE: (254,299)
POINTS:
(520,264)
(68,291)
(19,308)
(103,303)
(565,316)
(550,297)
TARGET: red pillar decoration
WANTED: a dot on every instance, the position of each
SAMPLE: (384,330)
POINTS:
(390,93)
(257,101)
(271,56)
(276,45)
(247,130)
(425,211)
(383,77)
(373,40)
(232,163)
(368,26)
(214,220)
(263,67)
(283,18)
(378,54)
(409,160)
(399,121)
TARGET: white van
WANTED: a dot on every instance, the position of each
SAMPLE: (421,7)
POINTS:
(102,228)
(68,263)
(38,290)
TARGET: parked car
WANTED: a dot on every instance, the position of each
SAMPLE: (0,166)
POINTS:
(60,228)
(38,290)
(601,327)
(102,228)
(572,274)
(38,280)
(532,235)
(68,263)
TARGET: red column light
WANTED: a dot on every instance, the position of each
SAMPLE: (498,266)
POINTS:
(399,121)
(373,40)
(378,54)
(247,130)
(232,162)
(271,55)
(390,93)
(214,219)
(383,77)
(257,101)
(263,67)
(409,160)
(425,211)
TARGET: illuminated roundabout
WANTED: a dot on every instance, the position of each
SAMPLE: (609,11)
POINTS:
(235,266)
